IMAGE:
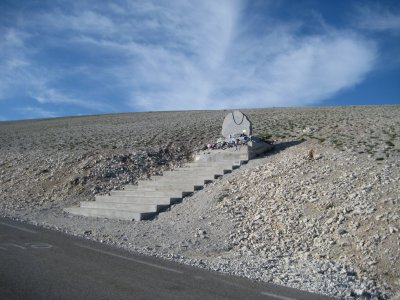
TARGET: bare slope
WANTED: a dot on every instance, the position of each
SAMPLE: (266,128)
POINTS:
(330,224)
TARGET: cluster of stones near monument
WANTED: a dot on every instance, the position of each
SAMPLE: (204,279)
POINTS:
(237,132)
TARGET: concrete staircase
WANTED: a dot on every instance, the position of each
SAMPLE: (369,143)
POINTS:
(149,197)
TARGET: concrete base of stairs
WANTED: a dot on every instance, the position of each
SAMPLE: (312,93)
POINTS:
(110,213)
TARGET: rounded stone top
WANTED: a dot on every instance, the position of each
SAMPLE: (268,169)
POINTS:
(236,122)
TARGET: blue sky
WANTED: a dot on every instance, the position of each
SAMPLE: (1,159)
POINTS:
(62,58)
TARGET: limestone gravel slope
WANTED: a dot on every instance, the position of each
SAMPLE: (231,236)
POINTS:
(328,224)
(339,207)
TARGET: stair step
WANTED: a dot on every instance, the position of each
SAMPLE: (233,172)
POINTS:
(175,183)
(186,190)
(205,167)
(137,192)
(109,213)
(138,200)
(230,166)
(187,177)
(142,207)
(225,160)
(200,164)
(188,171)
(184,187)
(200,171)
(179,177)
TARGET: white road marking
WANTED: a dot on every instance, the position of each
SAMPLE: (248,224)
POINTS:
(263,293)
(5,246)
(13,245)
(277,296)
(39,245)
(18,227)
(131,259)
(227,282)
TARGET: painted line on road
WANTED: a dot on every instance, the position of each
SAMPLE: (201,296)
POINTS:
(18,227)
(262,293)
(276,296)
(131,259)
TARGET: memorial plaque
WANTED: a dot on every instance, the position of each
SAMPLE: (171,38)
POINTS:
(236,123)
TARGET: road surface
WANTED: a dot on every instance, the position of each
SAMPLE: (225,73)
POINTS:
(37,263)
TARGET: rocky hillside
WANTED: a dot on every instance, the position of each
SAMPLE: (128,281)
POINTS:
(332,206)
(326,202)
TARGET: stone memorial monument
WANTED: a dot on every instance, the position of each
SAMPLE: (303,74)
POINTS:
(236,122)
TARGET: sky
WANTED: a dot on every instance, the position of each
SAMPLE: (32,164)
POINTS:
(60,58)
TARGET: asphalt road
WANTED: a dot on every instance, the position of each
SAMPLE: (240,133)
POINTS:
(37,263)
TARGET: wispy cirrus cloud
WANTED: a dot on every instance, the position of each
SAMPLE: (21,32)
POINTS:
(56,97)
(13,60)
(377,18)
(32,112)
(163,55)
(278,68)
(298,70)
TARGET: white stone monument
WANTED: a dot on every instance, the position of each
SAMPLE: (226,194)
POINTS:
(236,122)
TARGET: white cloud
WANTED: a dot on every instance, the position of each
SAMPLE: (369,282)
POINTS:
(297,70)
(12,60)
(13,38)
(23,75)
(160,55)
(36,112)
(82,22)
(280,68)
(377,18)
(45,96)
(179,61)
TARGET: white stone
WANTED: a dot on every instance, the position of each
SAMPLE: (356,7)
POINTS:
(236,123)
